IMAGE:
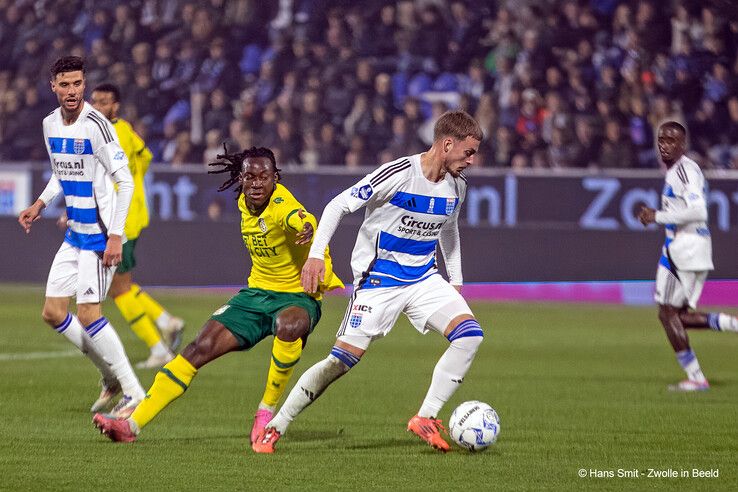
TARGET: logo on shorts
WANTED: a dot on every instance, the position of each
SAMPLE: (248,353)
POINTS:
(221,310)
(355,320)
(119,155)
(364,192)
(89,292)
(79,146)
(262,225)
(361,307)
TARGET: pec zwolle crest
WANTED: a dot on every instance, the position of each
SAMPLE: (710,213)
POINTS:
(450,202)
(79,146)
(262,225)
(355,320)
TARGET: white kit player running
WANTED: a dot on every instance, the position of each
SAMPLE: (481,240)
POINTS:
(412,205)
(686,256)
(86,160)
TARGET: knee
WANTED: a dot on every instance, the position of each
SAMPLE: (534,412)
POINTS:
(53,316)
(289,330)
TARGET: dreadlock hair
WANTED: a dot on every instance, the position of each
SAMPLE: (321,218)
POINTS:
(233,164)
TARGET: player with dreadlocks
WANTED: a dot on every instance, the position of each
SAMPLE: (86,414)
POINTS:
(278,232)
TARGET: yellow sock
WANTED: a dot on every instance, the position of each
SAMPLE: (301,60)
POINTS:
(285,356)
(169,384)
(133,312)
(152,308)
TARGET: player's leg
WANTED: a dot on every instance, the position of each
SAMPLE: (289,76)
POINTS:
(61,285)
(171,327)
(696,320)
(371,313)
(292,326)
(133,312)
(674,290)
(171,381)
(454,319)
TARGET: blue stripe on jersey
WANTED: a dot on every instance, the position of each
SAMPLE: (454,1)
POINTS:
(424,204)
(82,215)
(402,272)
(670,227)
(77,188)
(74,146)
(668,191)
(390,242)
(90,242)
(378,282)
(664,261)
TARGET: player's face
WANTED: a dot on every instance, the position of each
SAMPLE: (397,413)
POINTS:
(105,103)
(459,154)
(69,88)
(671,144)
(258,180)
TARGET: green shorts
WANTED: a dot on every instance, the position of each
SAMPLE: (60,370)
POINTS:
(251,315)
(128,261)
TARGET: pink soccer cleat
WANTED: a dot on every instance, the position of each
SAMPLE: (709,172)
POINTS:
(261,419)
(429,431)
(117,430)
(266,440)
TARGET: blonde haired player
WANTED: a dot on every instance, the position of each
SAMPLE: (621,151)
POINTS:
(412,206)
(145,316)
(277,232)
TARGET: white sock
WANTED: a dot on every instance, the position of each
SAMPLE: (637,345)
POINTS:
(691,365)
(163,320)
(160,350)
(72,329)
(449,374)
(308,388)
(108,344)
(722,322)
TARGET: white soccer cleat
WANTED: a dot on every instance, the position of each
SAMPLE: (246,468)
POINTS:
(109,391)
(125,407)
(172,333)
(688,386)
(155,361)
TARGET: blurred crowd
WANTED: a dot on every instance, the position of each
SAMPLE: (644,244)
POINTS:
(554,83)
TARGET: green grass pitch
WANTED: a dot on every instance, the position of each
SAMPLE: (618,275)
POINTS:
(576,387)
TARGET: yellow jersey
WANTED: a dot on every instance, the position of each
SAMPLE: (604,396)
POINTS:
(139,157)
(270,238)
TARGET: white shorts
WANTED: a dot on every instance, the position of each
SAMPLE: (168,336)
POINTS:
(79,272)
(372,313)
(678,288)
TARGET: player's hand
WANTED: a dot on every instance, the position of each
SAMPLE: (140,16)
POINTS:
(305,235)
(61,222)
(113,251)
(313,273)
(647,215)
(30,215)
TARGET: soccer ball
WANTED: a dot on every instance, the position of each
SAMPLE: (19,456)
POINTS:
(474,425)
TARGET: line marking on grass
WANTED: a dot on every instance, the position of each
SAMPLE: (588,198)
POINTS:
(40,355)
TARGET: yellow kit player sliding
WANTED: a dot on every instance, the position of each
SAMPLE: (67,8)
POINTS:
(278,233)
(140,310)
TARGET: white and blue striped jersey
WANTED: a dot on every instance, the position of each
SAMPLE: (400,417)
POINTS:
(688,245)
(83,157)
(406,215)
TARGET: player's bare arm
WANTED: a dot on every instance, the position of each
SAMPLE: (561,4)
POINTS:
(30,215)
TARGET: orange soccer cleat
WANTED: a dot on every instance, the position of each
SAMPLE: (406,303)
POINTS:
(266,440)
(428,430)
